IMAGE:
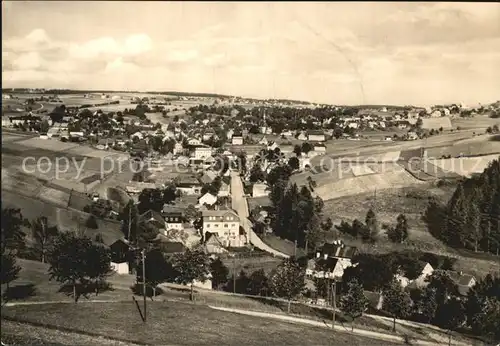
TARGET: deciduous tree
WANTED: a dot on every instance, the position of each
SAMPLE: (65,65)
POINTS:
(353,303)
(9,270)
(43,235)
(219,273)
(193,264)
(396,302)
(287,281)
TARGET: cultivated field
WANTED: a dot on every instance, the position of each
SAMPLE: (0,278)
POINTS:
(465,166)
(477,122)
(366,183)
(66,219)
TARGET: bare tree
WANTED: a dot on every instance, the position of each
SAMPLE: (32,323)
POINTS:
(43,236)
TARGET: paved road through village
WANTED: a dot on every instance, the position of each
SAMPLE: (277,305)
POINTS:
(240,205)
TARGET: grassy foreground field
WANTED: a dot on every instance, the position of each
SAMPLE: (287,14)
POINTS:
(193,323)
(176,323)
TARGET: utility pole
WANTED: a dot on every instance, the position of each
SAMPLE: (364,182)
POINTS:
(334,289)
(234,274)
(129,220)
(143,253)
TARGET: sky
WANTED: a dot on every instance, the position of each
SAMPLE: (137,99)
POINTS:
(336,53)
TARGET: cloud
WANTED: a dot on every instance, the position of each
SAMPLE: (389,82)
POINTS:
(321,51)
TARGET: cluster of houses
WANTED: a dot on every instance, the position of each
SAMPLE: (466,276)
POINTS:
(332,259)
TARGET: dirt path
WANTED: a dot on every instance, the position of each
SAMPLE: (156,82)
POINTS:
(361,332)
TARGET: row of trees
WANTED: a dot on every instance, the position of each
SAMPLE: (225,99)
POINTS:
(471,219)
(369,231)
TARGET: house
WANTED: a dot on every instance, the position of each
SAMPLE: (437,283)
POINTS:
(463,281)
(138,134)
(119,249)
(302,137)
(388,138)
(316,136)
(353,125)
(337,249)
(225,223)
(178,148)
(436,114)
(213,244)
(320,148)
(424,271)
(412,136)
(206,179)
(225,188)
(188,184)
(202,152)
(237,139)
(260,190)
(173,220)
(327,267)
(375,299)
(102,144)
(194,141)
(207,199)
(171,247)
(154,219)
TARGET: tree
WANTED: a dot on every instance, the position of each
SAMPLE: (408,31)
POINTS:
(91,222)
(399,233)
(44,126)
(258,283)
(43,236)
(372,271)
(287,281)
(157,270)
(98,264)
(9,269)
(257,174)
(297,149)
(427,304)
(353,303)
(219,273)
(130,221)
(372,227)
(488,320)
(12,234)
(68,259)
(479,297)
(307,147)
(191,213)
(443,285)
(396,302)
(451,315)
(192,265)
(294,163)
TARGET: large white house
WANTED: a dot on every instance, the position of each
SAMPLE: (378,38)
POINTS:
(224,223)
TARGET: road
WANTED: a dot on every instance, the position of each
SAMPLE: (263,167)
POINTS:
(240,205)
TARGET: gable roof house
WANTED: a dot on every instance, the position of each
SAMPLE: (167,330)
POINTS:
(188,184)
(463,281)
(316,136)
(207,199)
(213,244)
(337,249)
(225,188)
